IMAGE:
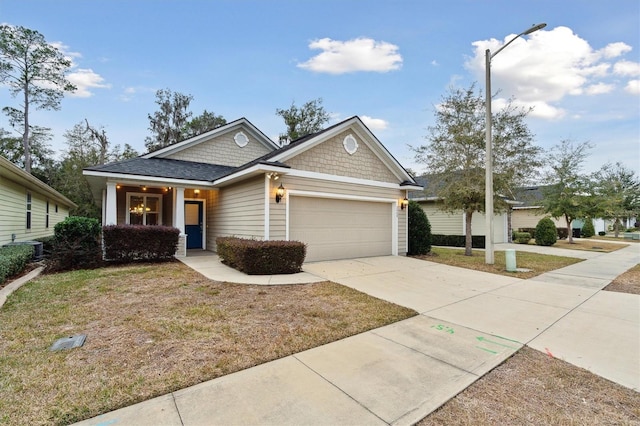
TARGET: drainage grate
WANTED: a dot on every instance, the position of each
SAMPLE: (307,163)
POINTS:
(69,342)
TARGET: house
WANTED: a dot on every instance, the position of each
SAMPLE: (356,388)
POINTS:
(29,209)
(339,190)
(447,223)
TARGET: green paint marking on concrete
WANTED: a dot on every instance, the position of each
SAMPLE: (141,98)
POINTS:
(509,340)
(444,328)
(486,350)
(484,339)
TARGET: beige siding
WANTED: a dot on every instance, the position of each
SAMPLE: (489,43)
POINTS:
(13,213)
(443,222)
(223,150)
(529,218)
(330,157)
(237,210)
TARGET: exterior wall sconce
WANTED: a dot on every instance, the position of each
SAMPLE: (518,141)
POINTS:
(279,193)
(196,192)
(273,175)
(404,203)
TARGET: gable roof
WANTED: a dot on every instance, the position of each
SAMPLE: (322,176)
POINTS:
(21,177)
(187,143)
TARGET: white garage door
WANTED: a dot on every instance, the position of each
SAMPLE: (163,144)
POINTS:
(340,229)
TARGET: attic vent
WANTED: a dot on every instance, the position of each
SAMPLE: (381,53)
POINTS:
(241,139)
(350,144)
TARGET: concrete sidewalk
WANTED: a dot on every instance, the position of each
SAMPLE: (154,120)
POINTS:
(469,323)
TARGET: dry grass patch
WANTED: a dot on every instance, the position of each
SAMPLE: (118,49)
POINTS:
(629,282)
(153,329)
(588,245)
(535,262)
(533,389)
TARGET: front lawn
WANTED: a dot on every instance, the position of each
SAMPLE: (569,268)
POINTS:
(154,329)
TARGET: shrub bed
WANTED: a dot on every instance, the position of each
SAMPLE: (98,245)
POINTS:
(76,244)
(546,232)
(255,257)
(477,241)
(13,260)
(129,243)
(521,237)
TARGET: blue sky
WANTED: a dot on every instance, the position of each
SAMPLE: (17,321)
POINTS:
(390,62)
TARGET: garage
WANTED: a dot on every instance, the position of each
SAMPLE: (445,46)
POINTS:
(341,229)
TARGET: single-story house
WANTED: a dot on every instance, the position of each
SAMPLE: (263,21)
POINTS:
(447,223)
(29,208)
(339,191)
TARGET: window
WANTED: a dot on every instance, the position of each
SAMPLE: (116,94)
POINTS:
(56,208)
(28,210)
(144,209)
(46,218)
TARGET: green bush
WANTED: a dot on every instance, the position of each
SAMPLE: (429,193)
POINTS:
(128,243)
(588,230)
(419,230)
(521,237)
(256,257)
(546,232)
(477,241)
(47,244)
(76,244)
(13,260)
(531,231)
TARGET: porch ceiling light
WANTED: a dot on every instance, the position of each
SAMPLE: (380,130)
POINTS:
(279,193)
(404,203)
(273,175)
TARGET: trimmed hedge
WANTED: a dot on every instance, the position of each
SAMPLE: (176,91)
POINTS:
(76,244)
(588,230)
(562,232)
(13,260)
(129,243)
(521,237)
(477,241)
(255,257)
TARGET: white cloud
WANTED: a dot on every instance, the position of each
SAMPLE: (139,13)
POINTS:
(84,80)
(374,123)
(360,54)
(633,87)
(545,67)
(627,68)
(599,89)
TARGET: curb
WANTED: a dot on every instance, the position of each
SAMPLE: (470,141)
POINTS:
(6,291)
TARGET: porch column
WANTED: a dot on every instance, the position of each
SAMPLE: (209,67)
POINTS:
(178,209)
(111,211)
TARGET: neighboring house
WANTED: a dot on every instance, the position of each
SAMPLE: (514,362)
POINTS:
(446,223)
(339,190)
(29,209)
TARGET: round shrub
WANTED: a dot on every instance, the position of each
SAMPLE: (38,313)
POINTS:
(76,244)
(419,230)
(588,230)
(546,233)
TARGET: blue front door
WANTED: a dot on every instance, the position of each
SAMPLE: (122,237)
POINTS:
(193,223)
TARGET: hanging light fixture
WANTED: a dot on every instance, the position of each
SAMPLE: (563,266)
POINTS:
(279,193)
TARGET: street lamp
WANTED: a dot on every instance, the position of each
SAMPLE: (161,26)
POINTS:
(488,200)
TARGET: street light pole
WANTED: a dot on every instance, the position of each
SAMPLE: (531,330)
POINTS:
(488,197)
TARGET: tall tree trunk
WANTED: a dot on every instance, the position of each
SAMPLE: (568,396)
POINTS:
(25,134)
(467,233)
(569,230)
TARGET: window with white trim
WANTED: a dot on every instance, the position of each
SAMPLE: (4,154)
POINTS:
(46,218)
(144,209)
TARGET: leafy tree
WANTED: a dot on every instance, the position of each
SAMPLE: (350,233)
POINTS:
(203,123)
(618,191)
(568,189)
(86,146)
(309,118)
(588,230)
(34,69)
(42,164)
(168,123)
(419,230)
(455,154)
